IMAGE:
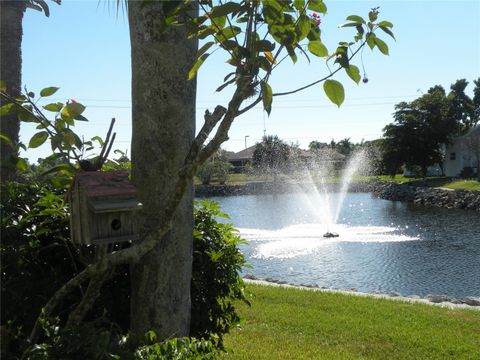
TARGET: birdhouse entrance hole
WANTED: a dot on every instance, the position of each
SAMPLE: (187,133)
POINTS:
(116,224)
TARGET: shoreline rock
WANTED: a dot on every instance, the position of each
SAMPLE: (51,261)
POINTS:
(418,195)
(469,302)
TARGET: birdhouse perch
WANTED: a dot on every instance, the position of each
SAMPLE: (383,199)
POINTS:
(102,208)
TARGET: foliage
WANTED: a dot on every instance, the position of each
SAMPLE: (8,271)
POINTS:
(419,130)
(422,126)
(289,323)
(462,107)
(103,340)
(216,281)
(35,250)
(36,257)
(259,35)
(217,167)
(69,151)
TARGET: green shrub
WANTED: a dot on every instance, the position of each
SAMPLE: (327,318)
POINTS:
(102,340)
(216,281)
(38,258)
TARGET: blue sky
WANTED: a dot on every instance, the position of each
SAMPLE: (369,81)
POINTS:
(83,48)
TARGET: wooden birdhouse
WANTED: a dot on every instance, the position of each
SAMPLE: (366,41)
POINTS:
(102,208)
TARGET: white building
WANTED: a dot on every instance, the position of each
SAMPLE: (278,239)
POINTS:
(464,151)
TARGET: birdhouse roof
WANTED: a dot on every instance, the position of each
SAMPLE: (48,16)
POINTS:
(98,184)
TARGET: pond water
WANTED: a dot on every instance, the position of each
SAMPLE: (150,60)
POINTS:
(382,245)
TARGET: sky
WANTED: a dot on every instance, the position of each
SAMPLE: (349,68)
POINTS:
(84,48)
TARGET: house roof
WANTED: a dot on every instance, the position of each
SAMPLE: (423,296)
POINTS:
(246,154)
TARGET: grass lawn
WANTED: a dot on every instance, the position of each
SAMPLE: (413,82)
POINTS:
(287,323)
(464,185)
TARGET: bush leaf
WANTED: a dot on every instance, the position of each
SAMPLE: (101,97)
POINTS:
(266,96)
(334,91)
(317,48)
(48,91)
(354,73)
(38,139)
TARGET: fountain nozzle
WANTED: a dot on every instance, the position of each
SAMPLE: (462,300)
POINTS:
(330,235)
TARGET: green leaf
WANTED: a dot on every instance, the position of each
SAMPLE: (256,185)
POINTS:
(334,91)
(223,86)
(224,9)
(22,165)
(348,25)
(373,15)
(317,5)
(381,46)
(72,110)
(354,73)
(298,4)
(6,140)
(264,45)
(71,138)
(196,66)
(267,96)
(48,91)
(8,109)
(229,32)
(38,139)
(54,107)
(317,48)
(3,86)
(80,118)
(204,48)
(387,31)
(25,115)
(356,18)
(385,24)
(303,27)
(98,139)
(291,53)
(371,40)
(272,15)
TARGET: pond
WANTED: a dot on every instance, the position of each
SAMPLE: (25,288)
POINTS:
(382,245)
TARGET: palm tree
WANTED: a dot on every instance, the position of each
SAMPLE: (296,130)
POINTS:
(11,16)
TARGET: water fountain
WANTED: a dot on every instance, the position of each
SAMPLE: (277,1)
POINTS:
(318,197)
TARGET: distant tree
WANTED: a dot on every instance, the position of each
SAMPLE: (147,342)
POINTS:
(271,156)
(217,167)
(316,145)
(420,128)
(345,147)
(462,107)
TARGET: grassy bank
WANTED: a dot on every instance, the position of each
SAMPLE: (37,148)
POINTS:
(286,323)
(464,185)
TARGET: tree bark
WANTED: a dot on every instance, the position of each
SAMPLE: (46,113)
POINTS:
(11,16)
(163,128)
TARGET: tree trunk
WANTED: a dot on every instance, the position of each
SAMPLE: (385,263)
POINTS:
(11,16)
(163,127)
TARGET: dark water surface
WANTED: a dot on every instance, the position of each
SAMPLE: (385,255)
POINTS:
(383,245)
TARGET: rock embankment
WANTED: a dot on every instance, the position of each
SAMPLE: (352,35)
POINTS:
(419,195)
(426,196)
(443,300)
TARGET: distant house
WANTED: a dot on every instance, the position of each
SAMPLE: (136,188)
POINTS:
(310,158)
(463,152)
(242,158)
